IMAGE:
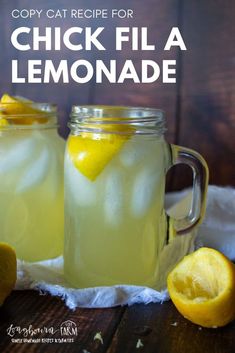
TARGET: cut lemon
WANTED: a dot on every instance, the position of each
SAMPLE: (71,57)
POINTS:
(16,108)
(202,287)
(7,270)
(3,122)
(91,152)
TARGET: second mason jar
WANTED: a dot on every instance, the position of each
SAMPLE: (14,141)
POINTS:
(115,223)
(31,188)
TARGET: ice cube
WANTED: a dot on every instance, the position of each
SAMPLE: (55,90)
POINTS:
(144,191)
(135,153)
(35,172)
(132,153)
(80,187)
(113,202)
(14,157)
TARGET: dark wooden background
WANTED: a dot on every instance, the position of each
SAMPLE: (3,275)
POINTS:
(200,108)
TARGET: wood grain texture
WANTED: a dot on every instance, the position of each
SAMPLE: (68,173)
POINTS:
(160,328)
(207,106)
(27,308)
(159,17)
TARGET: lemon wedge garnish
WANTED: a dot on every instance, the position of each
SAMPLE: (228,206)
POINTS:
(16,108)
(202,287)
(3,122)
(7,270)
(91,152)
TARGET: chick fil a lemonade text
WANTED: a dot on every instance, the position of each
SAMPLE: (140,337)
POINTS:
(79,38)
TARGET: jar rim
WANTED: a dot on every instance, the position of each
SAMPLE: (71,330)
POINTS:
(110,110)
(40,108)
(92,118)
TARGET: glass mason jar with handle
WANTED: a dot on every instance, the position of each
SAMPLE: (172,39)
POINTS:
(116,227)
(31,188)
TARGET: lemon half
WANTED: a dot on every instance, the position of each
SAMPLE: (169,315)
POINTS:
(202,287)
(7,270)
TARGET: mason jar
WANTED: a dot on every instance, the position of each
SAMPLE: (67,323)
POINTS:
(31,174)
(116,226)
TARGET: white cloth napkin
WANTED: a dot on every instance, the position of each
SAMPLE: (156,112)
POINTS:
(217,231)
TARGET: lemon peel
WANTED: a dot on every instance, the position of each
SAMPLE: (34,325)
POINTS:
(16,107)
(99,337)
(3,122)
(7,270)
(91,152)
(202,287)
(139,344)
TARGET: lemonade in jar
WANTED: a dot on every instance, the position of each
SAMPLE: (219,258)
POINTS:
(31,171)
(115,166)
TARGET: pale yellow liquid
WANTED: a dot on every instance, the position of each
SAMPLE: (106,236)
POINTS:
(31,193)
(115,226)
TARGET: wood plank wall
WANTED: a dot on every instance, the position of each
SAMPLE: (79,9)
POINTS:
(200,108)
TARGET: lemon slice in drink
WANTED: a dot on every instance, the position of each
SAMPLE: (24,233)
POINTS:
(202,287)
(91,152)
(7,270)
(3,122)
(16,108)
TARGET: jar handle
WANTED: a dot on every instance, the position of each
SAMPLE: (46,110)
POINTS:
(200,182)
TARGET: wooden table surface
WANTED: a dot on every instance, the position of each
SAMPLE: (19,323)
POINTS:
(154,328)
